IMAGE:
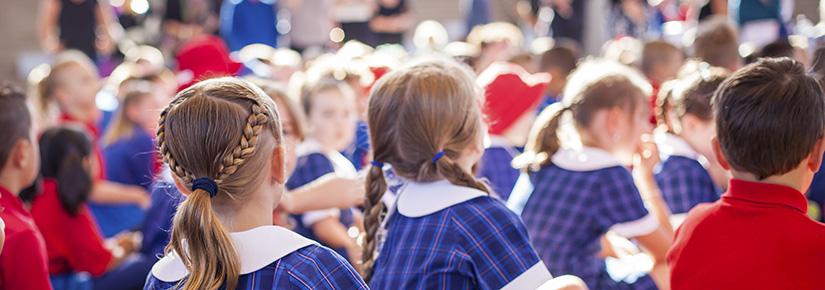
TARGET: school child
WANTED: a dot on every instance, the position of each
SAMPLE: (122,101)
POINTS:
(76,250)
(222,233)
(660,63)
(717,43)
(581,188)
(71,87)
(330,109)
(511,97)
(770,119)
(23,263)
(686,115)
(497,41)
(559,62)
(445,230)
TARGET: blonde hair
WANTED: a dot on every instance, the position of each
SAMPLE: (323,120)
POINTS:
(234,126)
(122,126)
(414,114)
(48,85)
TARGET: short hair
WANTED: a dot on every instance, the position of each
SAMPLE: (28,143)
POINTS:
(769,116)
(559,57)
(717,43)
(657,51)
(15,120)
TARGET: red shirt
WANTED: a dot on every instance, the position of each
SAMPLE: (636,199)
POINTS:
(94,134)
(23,260)
(757,236)
(73,243)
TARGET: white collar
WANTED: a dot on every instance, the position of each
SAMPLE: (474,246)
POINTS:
(256,248)
(416,199)
(497,141)
(340,164)
(672,145)
(584,159)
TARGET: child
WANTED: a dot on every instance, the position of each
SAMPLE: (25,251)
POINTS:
(444,231)
(71,87)
(222,234)
(73,241)
(497,41)
(660,63)
(23,258)
(770,120)
(717,43)
(330,109)
(582,192)
(558,61)
(687,116)
(511,97)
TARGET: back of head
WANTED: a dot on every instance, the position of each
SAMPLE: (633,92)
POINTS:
(15,120)
(415,113)
(769,115)
(558,57)
(657,52)
(222,129)
(62,151)
(690,95)
(717,43)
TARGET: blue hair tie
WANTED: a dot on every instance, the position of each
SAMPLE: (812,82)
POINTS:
(378,164)
(438,156)
(207,184)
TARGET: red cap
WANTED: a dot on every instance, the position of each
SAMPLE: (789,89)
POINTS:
(510,92)
(204,57)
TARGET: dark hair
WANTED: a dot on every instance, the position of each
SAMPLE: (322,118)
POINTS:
(15,120)
(690,95)
(717,43)
(769,116)
(62,150)
(559,57)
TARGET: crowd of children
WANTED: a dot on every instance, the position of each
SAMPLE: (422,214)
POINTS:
(469,165)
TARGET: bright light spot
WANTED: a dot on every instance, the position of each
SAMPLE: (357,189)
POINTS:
(139,6)
(117,3)
(746,49)
(336,35)
(353,232)
(283,26)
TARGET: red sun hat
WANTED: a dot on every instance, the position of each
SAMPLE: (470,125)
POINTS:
(204,57)
(510,92)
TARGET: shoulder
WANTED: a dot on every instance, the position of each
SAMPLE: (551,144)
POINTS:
(314,159)
(483,215)
(318,267)
(697,216)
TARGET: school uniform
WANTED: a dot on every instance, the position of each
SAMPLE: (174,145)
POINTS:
(23,263)
(312,164)
(157,226)
(441,236)
(360,148)
(572,202)
(757,236)
(131,161)
(682,177)
(271,258)
(495,166)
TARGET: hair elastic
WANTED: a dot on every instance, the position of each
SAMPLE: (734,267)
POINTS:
(438,156)
(207,184)
(376,163)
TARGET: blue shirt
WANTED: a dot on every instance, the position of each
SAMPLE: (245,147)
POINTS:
(245,22)
(684,183)
(157,227)
(360,147)
(496,167)
(574,201)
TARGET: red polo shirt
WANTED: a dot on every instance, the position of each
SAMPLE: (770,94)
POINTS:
(757,236)
(73,243)
(23,260)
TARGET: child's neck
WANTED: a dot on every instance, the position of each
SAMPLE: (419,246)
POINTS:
(81,115)
(248,216)
(794,179)
(10,181)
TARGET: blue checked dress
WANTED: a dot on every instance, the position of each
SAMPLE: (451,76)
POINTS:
(573,202)
(495,166)
(297,264)
(681,177)
(442,236)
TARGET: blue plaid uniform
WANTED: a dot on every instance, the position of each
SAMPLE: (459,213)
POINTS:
(477,244)
(357,152)
(312,267)
(684,183)
(569,211)
(495,167)
(308,169)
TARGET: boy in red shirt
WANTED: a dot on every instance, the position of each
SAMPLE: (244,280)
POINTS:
(23,258)
(770,120)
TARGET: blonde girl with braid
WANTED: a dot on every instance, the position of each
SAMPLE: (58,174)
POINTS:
(445,229)
(222,140)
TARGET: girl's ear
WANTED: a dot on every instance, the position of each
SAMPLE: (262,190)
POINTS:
(278,170)
(717,151)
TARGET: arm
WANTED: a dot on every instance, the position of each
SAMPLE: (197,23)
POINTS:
(656,245)
(103,15)
(647,158)
(49,10)
(332,233)
(111,192)
(328,191)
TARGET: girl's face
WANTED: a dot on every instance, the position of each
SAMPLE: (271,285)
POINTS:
(78,87)
(332,119)
(146,112)
(629,129)
(290,137)
(698,133)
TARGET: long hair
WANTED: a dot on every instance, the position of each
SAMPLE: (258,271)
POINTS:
(415,113)
(62,151)
(123,127)
(224,129)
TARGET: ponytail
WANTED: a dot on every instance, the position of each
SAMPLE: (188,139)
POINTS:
(204,245)
(74,183)
(544,139)
(374,212)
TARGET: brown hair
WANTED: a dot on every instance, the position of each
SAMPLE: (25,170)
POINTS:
(278,93)
(596,85)
(769,116)
(689,96)
(415,113)
(717,43)
(234,125)
(122,126)
(559,57)
(15,120)
(655,52)
(311,90)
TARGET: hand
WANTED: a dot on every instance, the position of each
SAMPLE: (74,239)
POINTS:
(345,192)
(646,159)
